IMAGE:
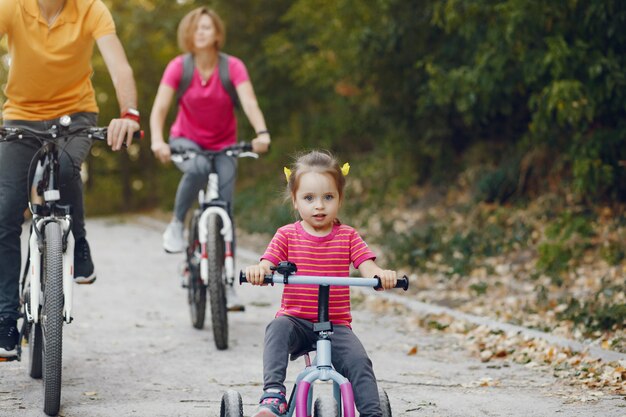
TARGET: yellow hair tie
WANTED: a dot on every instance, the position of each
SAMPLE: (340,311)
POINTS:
(345,169)
(287,173)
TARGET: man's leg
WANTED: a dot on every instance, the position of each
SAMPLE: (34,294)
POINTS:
(73,153)
(15,158)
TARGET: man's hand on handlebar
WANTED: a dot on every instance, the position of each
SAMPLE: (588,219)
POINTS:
(121,131)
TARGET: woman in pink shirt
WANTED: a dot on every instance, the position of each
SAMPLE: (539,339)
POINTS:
(320,246)
(205,118)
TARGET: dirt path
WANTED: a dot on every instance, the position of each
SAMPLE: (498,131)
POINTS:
(131,351)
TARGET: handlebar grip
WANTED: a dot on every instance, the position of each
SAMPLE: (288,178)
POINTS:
(268,279)
(400,283)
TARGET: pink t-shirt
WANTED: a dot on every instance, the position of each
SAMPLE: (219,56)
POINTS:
(330,255)
(205,113)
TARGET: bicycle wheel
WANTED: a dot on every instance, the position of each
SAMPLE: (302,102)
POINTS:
(196,290)
(217,288)
(385,406)
(34,350)
(32,334)
(325,407)
(52,318)
(232,405)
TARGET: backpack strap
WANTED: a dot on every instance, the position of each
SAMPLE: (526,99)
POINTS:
(185,79)
(188,67)
(225,79)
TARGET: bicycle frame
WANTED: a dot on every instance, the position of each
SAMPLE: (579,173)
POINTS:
(210,204)
(47,172)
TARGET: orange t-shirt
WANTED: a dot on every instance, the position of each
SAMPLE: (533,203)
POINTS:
(50,67)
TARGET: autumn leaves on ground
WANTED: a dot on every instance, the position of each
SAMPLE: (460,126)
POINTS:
(554,268)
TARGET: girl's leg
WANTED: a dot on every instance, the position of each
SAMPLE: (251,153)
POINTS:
(283,336)
(351,360)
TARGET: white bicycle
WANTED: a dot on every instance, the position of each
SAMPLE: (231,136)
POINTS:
(48,279)
(209,257)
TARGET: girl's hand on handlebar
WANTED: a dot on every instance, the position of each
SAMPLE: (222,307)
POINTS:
(162,151)
(261,144)
(256,273)
(121,131)
(388,278)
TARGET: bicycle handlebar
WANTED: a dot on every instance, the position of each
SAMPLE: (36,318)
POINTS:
(239,150)
(338,281)
(8,134)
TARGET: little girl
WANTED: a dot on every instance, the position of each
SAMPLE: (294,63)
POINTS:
(319,245)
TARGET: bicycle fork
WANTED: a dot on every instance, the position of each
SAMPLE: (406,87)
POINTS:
(227,234)
(35,246)
(322,370)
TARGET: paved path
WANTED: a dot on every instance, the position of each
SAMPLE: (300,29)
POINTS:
(131,351)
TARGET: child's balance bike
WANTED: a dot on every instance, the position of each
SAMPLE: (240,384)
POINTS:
(321,367)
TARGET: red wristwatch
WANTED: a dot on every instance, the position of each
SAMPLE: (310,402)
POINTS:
(132,114)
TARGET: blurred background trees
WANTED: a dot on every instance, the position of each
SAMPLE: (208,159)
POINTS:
(511,100)
(474,129)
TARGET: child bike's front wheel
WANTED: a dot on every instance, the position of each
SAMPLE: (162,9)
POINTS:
(325,407)
(196,290)
(217,287)
(232,405)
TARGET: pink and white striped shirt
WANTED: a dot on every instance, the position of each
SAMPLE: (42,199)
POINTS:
(329,255)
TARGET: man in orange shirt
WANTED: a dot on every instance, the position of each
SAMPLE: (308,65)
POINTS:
(50,45)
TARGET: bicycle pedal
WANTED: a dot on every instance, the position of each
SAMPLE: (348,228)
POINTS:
(9,358)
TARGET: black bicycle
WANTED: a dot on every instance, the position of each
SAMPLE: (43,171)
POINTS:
(209,256)
(47,282)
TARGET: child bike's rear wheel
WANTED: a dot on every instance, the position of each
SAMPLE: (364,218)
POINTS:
(232,405)
(196,290)
(217,287)
(52,318)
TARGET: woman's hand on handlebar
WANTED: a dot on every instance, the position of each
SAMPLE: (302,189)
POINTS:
(162,151)
(121,131)
(261,143)
(256,273)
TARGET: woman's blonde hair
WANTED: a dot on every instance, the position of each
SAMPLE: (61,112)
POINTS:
(189,23)
(322,162)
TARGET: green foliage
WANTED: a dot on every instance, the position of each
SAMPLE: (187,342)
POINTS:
(566,237)
(457,248)
(594,316)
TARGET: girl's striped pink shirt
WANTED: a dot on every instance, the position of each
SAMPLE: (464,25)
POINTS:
(329,255)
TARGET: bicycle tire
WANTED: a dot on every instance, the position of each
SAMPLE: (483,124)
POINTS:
(52,317)
(385,405)
(231,405)
(196,290)
(34,350)
(325,406)
(217,288)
